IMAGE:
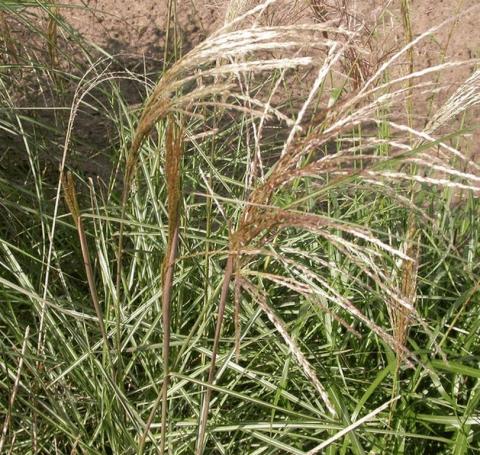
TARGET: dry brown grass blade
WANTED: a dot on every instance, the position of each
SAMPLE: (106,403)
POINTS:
(71,200)
(173,157)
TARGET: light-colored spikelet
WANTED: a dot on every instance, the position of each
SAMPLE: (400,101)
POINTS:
(176,90)
(466,97)
(279,325)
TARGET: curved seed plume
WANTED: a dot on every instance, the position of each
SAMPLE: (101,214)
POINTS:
(259,217)
(295,350)
(184,84)
(177,90)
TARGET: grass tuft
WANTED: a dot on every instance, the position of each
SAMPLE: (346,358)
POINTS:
(276,252)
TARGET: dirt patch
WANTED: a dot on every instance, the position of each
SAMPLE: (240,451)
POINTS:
(137,30)
(135,34)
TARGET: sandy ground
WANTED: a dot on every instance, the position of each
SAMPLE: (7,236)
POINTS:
(135,32)
(138,27)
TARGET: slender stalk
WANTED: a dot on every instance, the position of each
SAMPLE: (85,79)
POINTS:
(407,29)
(166,306)
(400,317)
(216,342)
(166,316)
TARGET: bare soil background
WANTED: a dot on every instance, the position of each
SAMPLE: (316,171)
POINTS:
(134,32)
(137,28)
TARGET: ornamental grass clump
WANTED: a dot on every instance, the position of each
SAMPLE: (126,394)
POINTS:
(282,257)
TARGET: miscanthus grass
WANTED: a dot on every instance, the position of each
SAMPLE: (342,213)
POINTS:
(279,253)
